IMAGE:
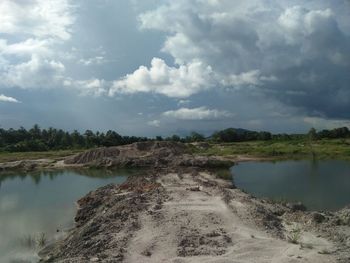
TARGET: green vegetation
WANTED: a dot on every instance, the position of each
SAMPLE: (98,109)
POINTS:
(38,140)
(294,236)
(224,174)
(36,241)
(38,143)
(16,156)
(276,149)
(41,240)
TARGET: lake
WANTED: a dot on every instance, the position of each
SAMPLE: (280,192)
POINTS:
(320,185)
(38,206)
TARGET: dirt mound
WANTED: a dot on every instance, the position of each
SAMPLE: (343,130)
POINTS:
(92,155)
(145,154)
(105,222)
(150,152)
(157,217)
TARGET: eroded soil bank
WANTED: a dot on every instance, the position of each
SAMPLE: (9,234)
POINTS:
(179,211)
(186,215)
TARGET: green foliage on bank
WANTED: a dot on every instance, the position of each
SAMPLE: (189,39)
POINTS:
(278,149)
(55,143)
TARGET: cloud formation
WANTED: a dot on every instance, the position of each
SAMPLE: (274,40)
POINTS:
(200,113)
(154,123)
(297,52)
(8,99)
(91,87)
(176,82)
(238,56)
(38,18)
(30,34)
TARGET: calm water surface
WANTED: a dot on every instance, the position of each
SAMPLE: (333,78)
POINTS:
(320,185)
(42,202)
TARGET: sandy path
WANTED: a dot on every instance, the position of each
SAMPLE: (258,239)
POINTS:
(200,226)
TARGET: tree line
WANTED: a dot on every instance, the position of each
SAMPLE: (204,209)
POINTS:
(37,139)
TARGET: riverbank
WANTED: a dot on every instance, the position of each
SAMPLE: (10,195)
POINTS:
(278,149)
(188,215)
(180,211)
(240,151)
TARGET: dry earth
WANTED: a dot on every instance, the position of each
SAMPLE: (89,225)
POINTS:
(178,211)
(190,216)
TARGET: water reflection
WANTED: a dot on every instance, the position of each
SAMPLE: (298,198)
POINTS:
(41,204)
(320,185)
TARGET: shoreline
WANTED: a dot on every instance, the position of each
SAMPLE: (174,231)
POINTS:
(182,190)
(190,198)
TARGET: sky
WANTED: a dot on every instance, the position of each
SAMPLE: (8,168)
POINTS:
(159,67)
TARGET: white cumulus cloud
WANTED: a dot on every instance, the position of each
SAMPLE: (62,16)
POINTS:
(94,87)
(200,113)
(37,72)
(8,99)
(38,18)
(177,82)
(30,34)
(154,123)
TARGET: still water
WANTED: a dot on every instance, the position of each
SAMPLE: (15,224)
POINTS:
(37,206)
(320,185)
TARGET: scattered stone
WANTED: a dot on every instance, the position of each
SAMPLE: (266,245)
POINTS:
(147,253)
(194,188)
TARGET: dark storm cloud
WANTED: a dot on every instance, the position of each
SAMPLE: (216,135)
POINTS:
(297,52)
(153,66)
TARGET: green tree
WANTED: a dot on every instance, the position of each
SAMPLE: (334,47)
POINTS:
(312,134)
(227,135)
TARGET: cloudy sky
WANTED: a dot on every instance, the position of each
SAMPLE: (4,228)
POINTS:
(148,67)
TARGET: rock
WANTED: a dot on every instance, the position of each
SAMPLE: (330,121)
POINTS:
(194,188)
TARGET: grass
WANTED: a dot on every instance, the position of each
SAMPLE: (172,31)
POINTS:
(28,241)
(224,174)
(41,240)
(294,236)
(16,156)
(33,241)
(277,150)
